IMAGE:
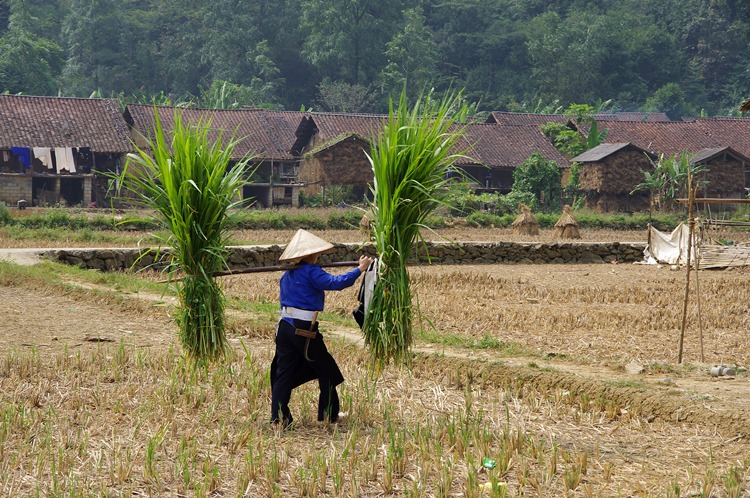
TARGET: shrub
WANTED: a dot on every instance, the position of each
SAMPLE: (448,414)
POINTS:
(345,221)
(55,219)
(5,217)
(276,220)
(436,222)
(481,219)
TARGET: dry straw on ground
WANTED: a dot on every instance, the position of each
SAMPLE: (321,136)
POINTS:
(513,349)
(121,420)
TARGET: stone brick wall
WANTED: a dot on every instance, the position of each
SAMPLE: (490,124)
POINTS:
(13,188)
(440,253)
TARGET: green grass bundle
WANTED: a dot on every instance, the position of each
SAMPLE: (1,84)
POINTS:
(410,160)
(189,183)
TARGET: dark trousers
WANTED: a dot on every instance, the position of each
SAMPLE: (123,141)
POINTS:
(290,369)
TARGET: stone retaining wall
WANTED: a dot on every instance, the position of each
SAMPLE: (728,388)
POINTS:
(440,253)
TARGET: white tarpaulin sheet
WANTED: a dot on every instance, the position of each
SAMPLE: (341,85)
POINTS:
(670,249)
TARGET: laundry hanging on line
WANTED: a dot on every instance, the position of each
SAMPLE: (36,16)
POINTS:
(64,159)
(44,154)
(23,154)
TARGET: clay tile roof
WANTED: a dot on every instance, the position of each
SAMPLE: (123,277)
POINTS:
(668,138)
(521,118)
(27,121)
(262,133)
(495,146)
(730,132)
(506,147)
(331,125)
(633,116)
(708,154)
(524,118)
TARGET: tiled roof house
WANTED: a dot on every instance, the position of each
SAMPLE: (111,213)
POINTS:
(522,119)
(609,174)
(726,177)
(661,138)
(333,148)
(51,148)
(266,136)
(494,151)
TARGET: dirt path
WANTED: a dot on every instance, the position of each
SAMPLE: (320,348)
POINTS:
(23,256)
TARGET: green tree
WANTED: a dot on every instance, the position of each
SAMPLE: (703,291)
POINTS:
(266,81)
(345,38)
(91,35)
(412,57)
(668,179)
(230,32)
(340,96)
(177,47)
(669,99)
(28,63)
(571,142)
(539,177)
(583,54)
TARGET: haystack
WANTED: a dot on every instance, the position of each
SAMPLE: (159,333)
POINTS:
(567,226)
(365,223)
(745,107)
(525,223)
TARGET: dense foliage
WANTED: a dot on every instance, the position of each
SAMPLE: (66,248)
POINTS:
(678,56)
(541,178)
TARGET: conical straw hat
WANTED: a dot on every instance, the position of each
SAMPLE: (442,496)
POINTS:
(304,244)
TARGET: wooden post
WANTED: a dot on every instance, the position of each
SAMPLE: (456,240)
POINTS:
(691,223)
(698,302)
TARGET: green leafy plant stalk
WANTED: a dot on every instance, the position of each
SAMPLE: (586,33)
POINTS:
(410,161)
(191,185)
(668,179)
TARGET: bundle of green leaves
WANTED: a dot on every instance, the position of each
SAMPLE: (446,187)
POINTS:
(410,160)
(187,181)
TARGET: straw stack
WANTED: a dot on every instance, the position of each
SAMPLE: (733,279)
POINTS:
(567,226)
(365,223)
(525,223)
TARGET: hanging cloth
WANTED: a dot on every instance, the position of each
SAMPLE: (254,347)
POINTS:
(64,156)
(366,290)
(44,155)
(23,154)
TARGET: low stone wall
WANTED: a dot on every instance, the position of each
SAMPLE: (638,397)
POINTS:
(439,252)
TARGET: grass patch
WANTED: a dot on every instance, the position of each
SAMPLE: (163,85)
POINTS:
(485,343)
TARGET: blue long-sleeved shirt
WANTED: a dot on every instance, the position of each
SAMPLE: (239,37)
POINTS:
(305,287)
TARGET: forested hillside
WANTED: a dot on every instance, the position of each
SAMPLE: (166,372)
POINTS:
(683,57)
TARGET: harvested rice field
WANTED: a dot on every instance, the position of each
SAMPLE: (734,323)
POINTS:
(527,380)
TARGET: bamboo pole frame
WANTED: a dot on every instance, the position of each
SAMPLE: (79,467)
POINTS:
(691,224)
(691,201)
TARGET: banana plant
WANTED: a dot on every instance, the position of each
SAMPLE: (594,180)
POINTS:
(668,180)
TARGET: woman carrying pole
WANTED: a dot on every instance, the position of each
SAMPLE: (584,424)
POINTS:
(301,355)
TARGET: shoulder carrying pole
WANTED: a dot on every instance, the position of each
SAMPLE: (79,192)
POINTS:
(264,269)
